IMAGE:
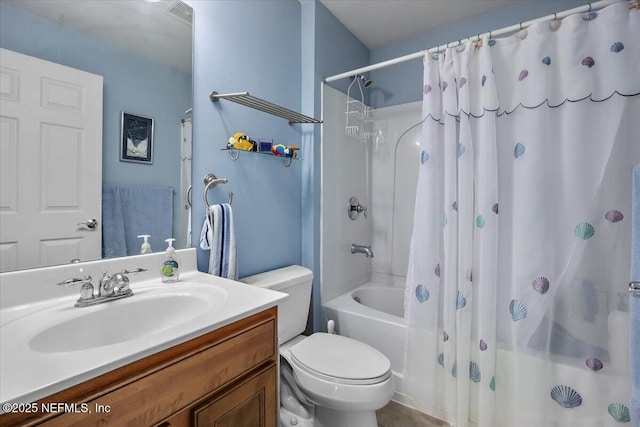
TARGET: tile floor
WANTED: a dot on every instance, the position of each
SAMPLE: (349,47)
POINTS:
(397,415)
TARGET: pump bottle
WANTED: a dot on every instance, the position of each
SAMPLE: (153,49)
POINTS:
(170,268)
(146,247)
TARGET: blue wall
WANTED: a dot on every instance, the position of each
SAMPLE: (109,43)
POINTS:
(402,83)
(126,77)
(280,52)
(249,46)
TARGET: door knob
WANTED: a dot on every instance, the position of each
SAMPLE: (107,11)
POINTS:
(90,223)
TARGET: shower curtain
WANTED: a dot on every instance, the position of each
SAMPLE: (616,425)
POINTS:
(516,289)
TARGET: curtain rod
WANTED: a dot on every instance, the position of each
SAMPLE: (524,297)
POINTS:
(559,15)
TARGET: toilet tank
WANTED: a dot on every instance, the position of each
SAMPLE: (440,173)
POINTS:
(293,311)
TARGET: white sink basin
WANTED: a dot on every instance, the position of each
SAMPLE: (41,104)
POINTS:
(48,345)
(123,320)
(153,311)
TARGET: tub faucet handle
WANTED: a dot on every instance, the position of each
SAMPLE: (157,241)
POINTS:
(354,208)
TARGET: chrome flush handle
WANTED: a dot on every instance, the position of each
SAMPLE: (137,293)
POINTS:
(634,289)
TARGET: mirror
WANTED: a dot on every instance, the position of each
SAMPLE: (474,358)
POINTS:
(143,51)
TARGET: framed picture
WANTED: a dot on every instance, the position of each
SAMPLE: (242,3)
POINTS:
(136,139)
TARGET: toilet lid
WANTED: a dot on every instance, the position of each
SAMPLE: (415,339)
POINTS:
(341,358)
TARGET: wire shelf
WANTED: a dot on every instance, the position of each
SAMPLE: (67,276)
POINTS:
(248,100)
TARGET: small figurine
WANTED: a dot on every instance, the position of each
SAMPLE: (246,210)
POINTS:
(240,141)
(284,150)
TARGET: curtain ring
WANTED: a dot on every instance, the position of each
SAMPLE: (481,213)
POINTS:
(521,26)
(589,7)
(490,36)
(555,16)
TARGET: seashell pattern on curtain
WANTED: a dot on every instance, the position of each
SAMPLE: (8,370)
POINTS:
(543,125)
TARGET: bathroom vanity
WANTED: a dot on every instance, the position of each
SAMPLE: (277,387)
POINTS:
(226,377)
(217,367)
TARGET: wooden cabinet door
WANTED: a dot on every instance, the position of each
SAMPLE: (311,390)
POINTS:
(250,404)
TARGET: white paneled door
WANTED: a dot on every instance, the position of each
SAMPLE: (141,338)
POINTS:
(50,163)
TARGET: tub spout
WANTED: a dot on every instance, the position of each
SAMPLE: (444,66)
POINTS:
(361,249)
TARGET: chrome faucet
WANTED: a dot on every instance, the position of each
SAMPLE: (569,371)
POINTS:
(361,249)
(110,287)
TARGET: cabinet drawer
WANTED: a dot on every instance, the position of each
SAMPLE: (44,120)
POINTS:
(156,396)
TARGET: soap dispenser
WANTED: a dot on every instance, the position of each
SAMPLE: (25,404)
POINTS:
(146,247)
(170,269)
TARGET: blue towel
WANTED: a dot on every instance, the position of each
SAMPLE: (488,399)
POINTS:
(131,210)
(634,303)
(114,243)
(218,236)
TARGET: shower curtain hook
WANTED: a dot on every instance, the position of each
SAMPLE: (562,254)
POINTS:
(555,16)
(490,35)
(589,7)
(521,26)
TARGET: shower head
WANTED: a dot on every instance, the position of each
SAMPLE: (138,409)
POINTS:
(363,80)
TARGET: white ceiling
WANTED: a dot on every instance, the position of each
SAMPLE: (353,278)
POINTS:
(150,30)
(147,28)
(379,22)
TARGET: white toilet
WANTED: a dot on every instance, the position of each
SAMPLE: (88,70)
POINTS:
(345,379)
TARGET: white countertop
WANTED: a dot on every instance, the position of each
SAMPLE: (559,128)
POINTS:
(27,373)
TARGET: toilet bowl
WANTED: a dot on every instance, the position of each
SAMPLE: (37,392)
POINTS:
(345,379)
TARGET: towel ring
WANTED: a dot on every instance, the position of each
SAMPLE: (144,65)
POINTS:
(188,197)
(210,181)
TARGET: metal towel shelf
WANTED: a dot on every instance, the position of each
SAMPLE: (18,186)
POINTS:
(248,100)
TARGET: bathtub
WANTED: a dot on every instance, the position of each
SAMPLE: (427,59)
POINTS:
(374,314)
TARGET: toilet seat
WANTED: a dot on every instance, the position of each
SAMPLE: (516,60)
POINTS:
(340,359)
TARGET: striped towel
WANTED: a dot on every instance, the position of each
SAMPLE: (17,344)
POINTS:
(219,237)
